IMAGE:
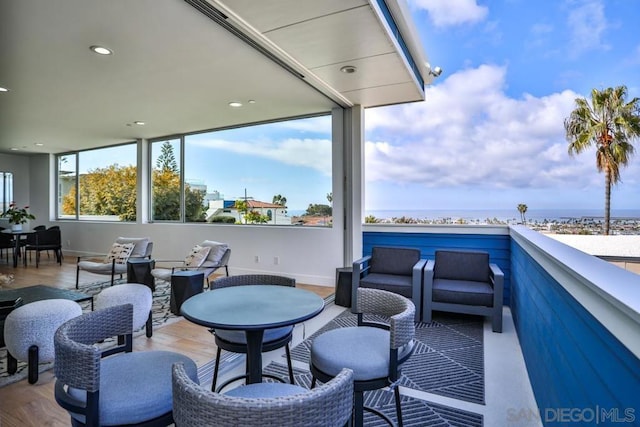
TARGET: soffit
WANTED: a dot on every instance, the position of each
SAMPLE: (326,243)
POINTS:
(177,70)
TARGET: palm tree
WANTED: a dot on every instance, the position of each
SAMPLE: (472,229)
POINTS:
(279,199)
(610,124)
(522,208)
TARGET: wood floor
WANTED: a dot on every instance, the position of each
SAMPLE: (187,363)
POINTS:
(22,404)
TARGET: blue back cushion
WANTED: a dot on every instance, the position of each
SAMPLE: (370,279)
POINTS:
(462,265)
(394,260)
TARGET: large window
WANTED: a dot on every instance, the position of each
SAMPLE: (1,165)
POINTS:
(98,184)
(276,173)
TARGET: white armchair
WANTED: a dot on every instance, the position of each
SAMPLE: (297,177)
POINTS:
(207,257)
(115,262)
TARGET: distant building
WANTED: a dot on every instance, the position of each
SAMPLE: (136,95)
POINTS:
(277,214)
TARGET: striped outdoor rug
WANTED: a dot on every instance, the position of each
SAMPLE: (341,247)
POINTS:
(448,361)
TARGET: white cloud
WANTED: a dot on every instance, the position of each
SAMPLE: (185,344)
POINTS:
(311,153)
(446,13)
(469,133)
(587,24)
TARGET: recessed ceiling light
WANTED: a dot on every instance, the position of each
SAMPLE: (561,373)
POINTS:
(235,104)
(14,149)
(348,69)
(101,50)
(4,89)
(39,144)
(252,101)
(139,123)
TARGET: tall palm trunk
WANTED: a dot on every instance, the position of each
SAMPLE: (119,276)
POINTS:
(607,201)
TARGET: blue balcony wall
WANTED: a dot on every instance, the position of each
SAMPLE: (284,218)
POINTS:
(574,362)
(498,246)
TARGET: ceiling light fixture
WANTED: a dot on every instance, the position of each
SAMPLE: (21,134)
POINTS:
(101,50)
(235,104)
(39,144)
(139,123)
(4,89)
(348,69)
(252,101)
(14,149)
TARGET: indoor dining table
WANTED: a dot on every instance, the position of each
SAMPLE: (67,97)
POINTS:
(252,309)
(17,236)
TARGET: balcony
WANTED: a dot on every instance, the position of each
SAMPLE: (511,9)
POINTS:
(573,319)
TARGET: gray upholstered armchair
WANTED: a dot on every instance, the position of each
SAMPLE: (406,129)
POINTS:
(397,270)
(463,282)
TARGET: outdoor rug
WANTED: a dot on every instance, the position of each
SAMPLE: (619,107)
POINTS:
(448,361)
(161,316)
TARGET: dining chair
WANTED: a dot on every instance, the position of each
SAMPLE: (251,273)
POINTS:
(236,342)
(44,240)
(113,386)
(374,349)
(263,404)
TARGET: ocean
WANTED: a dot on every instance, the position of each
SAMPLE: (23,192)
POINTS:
(500,214)
(505,214)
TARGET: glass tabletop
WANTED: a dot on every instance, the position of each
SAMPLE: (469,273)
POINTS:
(252,307)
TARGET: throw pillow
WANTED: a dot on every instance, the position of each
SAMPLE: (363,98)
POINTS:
(217,252)
(197,256)
(120,252)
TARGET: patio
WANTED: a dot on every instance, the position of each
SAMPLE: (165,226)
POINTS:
(552,346)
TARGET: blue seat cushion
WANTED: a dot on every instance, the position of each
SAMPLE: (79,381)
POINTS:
(363,349)
(402,285)
(239,337)
(462,265)
(398,261)
(263,390)
(464,292)
(136,387)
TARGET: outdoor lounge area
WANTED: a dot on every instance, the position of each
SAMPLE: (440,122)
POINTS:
(558,344)
(543,282)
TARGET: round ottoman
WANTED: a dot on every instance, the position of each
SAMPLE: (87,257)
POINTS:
(29,330)
(140,296)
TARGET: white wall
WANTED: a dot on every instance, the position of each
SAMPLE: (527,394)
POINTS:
(310,254)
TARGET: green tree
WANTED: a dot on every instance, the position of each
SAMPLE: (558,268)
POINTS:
(370,219)
(166,160)
(105,191)
(255,217)
(319,210)
(243,207)
(330,198)
(112,191)
(522,208)
(610,124)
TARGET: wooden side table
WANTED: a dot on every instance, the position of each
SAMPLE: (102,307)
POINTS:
(139,271)
(184,285)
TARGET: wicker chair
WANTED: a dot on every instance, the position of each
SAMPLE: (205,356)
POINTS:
(236,341)
(263,404)
(99,387)
(374,351)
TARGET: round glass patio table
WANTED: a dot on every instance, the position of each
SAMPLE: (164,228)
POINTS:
(252,309)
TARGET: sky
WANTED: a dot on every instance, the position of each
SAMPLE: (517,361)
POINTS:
(490,133)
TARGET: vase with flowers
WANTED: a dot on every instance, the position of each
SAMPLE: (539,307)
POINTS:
(17,216)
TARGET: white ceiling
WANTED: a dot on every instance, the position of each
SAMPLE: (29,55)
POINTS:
(176,69)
